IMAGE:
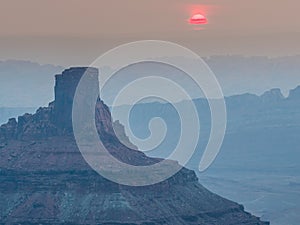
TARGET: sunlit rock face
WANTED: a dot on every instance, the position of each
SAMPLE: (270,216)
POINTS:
(45,180)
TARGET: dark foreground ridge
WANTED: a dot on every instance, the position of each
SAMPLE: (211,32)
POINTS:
(45,180)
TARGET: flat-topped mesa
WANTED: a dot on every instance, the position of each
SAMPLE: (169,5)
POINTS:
(65,87)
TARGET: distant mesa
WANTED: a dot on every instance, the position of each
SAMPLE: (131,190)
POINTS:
(295,94)
(273,95)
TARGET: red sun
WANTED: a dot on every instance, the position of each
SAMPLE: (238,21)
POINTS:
(198,19)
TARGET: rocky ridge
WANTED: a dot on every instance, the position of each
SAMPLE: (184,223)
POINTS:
(44,179)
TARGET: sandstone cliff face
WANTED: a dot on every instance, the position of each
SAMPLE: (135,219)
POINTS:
(45,180)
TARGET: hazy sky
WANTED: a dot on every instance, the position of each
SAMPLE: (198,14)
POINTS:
(72,32)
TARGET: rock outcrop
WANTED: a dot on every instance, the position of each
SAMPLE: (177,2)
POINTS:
(272,96)
(294,94)
(45,180)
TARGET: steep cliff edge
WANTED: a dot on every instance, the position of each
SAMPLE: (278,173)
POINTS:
(45,180)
